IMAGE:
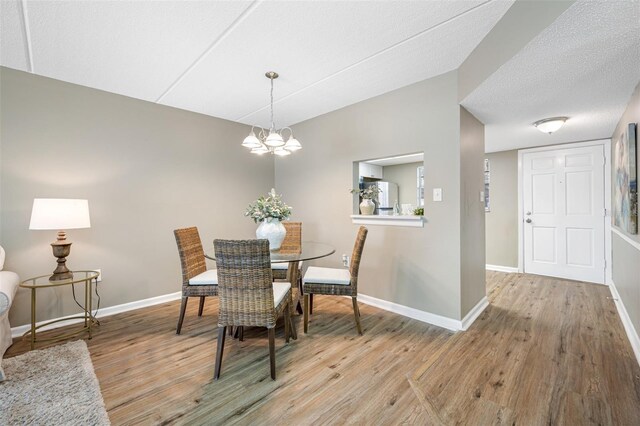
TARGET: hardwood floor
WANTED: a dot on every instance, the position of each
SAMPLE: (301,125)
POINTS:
(546,351)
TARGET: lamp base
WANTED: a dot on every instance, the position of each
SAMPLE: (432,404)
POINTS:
(61,249)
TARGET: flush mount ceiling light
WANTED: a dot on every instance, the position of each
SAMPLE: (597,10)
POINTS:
(271,141)
(550,125)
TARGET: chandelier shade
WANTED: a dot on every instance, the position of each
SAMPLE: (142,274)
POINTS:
(271,141)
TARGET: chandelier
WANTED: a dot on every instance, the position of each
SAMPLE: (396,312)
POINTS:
(271,141)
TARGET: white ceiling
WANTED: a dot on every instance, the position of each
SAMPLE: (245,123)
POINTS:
(584,66)
(210,56)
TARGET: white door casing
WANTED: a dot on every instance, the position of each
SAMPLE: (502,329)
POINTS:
(563,205)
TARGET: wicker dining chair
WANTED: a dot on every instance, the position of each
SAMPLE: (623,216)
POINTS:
(197,281)
(292,243)
(338,282)
(248,295)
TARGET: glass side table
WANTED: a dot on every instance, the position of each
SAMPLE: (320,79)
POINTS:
(88,278)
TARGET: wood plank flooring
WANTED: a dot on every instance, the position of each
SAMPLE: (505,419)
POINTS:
(546,351)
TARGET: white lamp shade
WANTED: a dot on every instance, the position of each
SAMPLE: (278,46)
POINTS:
(251,141)
(59,214)
(274,139)
(292,144)
(260,149)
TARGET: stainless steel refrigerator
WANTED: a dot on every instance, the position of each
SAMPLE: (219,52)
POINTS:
(387,197)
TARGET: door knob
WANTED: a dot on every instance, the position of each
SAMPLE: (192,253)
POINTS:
(528,220)
(528,213)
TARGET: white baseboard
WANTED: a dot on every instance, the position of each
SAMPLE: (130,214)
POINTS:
(103,312)
(429,318)
(474,313)
(499,268)
(632,334)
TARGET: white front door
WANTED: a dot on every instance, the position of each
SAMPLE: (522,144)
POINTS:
(563,205)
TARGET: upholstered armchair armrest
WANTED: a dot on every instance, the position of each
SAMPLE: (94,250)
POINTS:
(9,284)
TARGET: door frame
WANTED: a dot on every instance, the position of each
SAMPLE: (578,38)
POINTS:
(606,145)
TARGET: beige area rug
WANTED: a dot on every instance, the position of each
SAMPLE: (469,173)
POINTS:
(53,386)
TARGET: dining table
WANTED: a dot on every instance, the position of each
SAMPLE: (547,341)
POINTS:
(308,250)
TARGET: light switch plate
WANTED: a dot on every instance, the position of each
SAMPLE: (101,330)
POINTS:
(437,194)
(481,195)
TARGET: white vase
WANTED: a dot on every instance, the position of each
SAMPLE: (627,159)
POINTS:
(367,206)
(271,229)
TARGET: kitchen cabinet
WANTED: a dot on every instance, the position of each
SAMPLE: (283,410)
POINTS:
(370,170)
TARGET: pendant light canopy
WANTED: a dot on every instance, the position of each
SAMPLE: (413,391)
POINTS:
(271,141)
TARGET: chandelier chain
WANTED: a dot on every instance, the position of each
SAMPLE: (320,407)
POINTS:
(272,122)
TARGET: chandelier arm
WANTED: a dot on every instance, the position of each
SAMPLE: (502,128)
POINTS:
(287,128)
(273,126)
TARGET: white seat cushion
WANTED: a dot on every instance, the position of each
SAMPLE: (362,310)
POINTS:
(283,265)
(209,277)
(280,288)
(319,275)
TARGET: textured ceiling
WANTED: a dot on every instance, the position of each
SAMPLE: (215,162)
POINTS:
(210,56)
(584,66)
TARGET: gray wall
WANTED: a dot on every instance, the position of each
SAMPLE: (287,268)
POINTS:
(502,221)
(472,235)
(415,267)
(405,175)
(146,169)
(626,257)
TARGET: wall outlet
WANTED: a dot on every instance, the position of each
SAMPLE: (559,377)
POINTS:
(437,194)
(99,274)
(482,196)
(346,261)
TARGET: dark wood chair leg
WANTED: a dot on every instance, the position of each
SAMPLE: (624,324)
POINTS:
(183,309)
(299,308)
(306,313)
(201,307)
(241,337)
(221,336)
(311,304)
(292,326)
(231,331)
(272,352)
(287,323)
(356,314)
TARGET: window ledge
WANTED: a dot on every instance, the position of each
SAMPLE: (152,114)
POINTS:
(411,221)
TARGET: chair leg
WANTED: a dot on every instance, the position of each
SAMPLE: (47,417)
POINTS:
(183,309)
(356,314)
(287,323)
(230,331)
(292,326)
(299,308)
(201,307)
(272,352)
(221,336)
(241,337)
(311,304)
(306,312)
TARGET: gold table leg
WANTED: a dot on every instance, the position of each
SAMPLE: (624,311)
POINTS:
(33,318)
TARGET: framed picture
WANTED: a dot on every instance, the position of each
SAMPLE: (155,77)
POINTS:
(625,197)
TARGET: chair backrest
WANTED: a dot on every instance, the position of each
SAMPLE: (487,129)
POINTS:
(292,242)
(191,253)
(356,255)
(245,286)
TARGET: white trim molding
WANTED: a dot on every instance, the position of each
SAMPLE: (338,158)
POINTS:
(632,334)
(411,221)
(474,313)
(622,235)
(427,317)
(509,269)
(104,312)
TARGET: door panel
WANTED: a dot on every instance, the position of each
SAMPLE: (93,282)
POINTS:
(563,205)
